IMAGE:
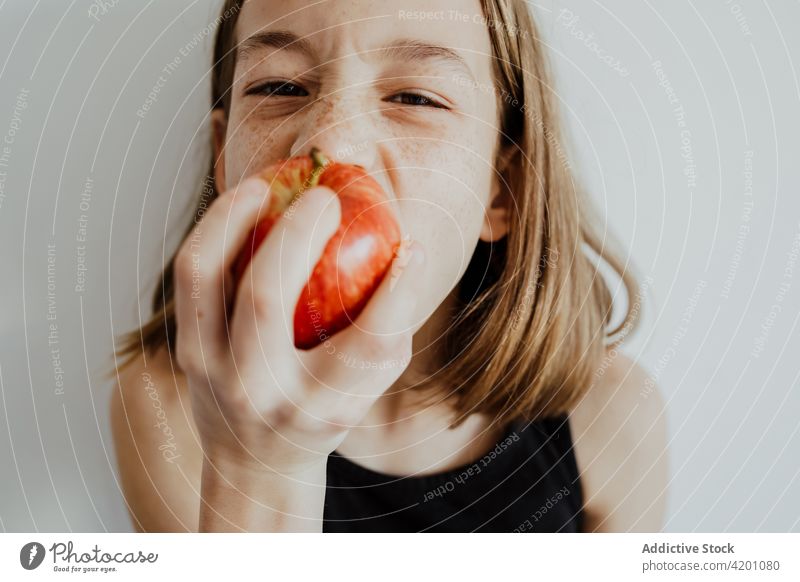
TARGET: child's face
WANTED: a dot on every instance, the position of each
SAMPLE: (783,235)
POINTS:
(422,121)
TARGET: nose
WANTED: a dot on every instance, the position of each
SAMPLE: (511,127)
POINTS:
(341,128)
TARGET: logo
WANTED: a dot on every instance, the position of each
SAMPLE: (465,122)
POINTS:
(31,555)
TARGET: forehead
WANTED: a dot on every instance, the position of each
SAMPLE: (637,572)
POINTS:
(339,27)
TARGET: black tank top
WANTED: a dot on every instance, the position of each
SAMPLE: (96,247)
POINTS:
(529,482)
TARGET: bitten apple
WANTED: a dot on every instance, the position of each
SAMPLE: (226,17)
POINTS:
(355,259)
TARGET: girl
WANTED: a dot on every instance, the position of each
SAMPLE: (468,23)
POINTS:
(479,390)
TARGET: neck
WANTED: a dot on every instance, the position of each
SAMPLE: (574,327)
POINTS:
(402,435)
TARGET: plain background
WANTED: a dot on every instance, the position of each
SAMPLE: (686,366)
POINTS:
(723,354)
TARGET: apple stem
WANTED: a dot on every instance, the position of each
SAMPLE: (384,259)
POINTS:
(320,161)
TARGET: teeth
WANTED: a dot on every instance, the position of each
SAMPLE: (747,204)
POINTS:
(403,256)
(405,244)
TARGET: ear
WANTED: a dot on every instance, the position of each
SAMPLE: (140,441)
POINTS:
(219,128)
(496,220)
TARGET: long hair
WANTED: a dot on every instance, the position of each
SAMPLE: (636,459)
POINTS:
(533,323)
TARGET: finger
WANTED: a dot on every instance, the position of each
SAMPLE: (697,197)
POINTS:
(203,262)
(273,281)
(380,337)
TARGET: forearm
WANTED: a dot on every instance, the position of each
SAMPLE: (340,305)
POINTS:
(245,499)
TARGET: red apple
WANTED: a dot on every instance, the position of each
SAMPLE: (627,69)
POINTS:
(355,259)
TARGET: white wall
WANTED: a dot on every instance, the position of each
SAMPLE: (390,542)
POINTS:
(715,246)
(728,368)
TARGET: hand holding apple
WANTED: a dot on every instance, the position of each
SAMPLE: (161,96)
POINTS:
(258,402)
(355,259)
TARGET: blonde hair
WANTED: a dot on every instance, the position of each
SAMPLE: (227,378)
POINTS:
(532,325)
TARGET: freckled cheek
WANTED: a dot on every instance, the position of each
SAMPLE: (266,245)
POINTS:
(251,146)
(441,188)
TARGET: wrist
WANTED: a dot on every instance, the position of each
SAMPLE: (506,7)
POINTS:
(247,464)
(249,497)
(234,468)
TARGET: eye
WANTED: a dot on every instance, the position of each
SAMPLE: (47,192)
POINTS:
(417,99)
(278,89)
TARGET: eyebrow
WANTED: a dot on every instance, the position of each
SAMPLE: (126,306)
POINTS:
(276,39)
(411,50)
(407,50)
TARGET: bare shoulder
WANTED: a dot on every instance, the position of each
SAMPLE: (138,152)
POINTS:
(620,439)
(158,454)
